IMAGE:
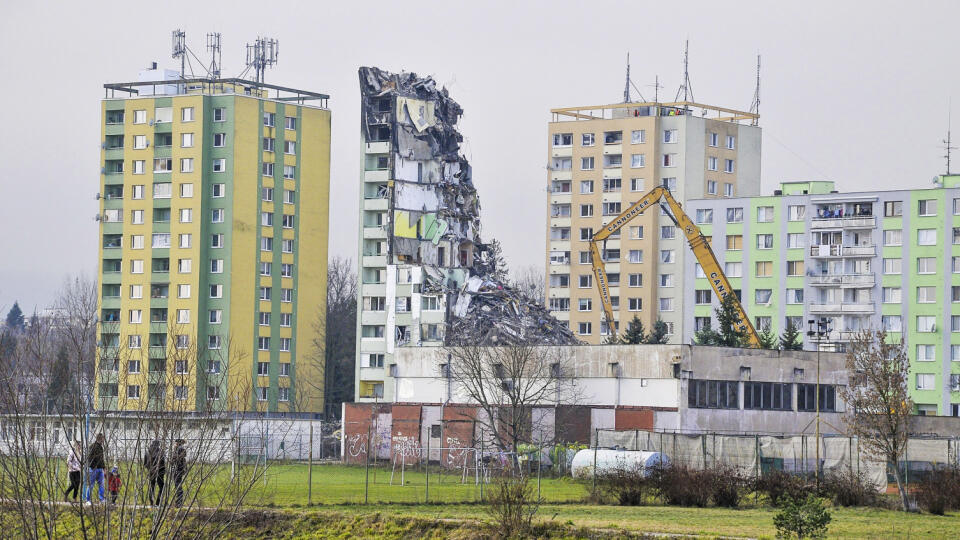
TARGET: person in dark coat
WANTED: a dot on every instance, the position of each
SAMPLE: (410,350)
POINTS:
(96,463)
(179,469)
(156,464)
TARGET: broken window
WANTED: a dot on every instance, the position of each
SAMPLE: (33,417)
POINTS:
(561,281)
(559,304)
(559,257)
(563,139)
(612,137)
(379,133)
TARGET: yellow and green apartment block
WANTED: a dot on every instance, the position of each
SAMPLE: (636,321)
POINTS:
(214,210)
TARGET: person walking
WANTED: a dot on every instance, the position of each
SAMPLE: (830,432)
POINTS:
(179,466)
(74,458)
(156,464)
(96,463)
(113,484)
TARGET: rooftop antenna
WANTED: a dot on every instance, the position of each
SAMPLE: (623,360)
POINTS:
(626,85)
(213,47)
(755,106)
(261,55)
(685,87)
(180,50)
(947,141)
(656,88)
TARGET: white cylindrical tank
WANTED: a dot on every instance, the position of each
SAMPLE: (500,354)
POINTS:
(608,460)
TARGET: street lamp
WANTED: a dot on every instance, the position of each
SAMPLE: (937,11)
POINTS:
(819,329)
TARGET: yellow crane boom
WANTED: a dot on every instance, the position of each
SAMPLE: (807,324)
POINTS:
(699,245)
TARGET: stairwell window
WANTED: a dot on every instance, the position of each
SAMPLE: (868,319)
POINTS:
(927,207)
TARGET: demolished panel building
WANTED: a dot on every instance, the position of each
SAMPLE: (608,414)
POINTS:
(426,278)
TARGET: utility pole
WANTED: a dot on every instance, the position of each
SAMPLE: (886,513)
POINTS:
(822,330)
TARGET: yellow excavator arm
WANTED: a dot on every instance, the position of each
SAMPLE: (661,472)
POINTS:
(699,245)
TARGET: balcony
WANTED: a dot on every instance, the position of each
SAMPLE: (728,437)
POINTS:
(832,250)
(376,204)
(848,280)
(853,222)
(562,151)
(378,147)
(561,174)
(842,308)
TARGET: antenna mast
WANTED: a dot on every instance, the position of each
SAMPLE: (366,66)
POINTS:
(656,88)
(261,55)
(947,141)
(626,85)
(213,47)
(755,106)
(685,88)
(180,50)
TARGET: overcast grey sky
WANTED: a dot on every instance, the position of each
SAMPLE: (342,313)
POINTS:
(850,93)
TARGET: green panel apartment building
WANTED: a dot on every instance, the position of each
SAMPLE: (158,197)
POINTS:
(879,259)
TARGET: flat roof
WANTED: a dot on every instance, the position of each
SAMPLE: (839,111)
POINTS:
(674,108)
(233,86)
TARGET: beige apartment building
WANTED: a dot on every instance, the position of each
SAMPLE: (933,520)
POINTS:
(604,158)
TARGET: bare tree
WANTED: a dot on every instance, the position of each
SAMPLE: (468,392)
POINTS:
(508,383)
(530,281)
(878,393)
(335,334)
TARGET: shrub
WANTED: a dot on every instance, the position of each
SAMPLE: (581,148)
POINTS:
(512,503)
(726,485)
(627,485)
(682,485)
(802,518)
(939,491)
(777,485)
(848,488)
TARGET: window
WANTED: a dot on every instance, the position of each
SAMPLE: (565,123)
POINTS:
(733,269)
(635,256)
(955,294)
(670,160)
(636,232)
(586,210)
(714,140)
(734,242)
(136,291)
(807,398)
(635,304)
(286,320)
(267,169)
(925,381)
(584,304)
(666,304)
(219,114)
(265,268)
(587,139)
(186,114)
(927,207)
(734,215)
(586,186)
(712,163)
(636,184)
(894,237)
(764,268)
(612,137)
(290,172)
(216,215)
(585,281)
(186,215)
(266,293)
(162,165)
(584,329)
(926,265)
(670,135)
(183,291)
(702,296)
(711,187)
(667,232)
(563,139)
(892,266)
(219,165)
(731,142)
(133,391)
(263,343)
(216,291)
(728,165)
(764,214)
(586,233)
(666,280)
(638,160)
(183,315)
(927,237)
(764,241)
(286,246)
(288,196)
(891,323)
(139,142)
(635,280)
(162,191)
(891,295)
(893,208)
(136,316)
(768,396)
(638,136)
(795,268)
(186,140)
(667,256)
(727,190)
(218,190)
(796,240)
(216,266)
(136,217)
(266,219)
(289,147)
(290,122)
(136,266)
(216,240)
(706,394)
(586,163)
(704,215)
(926,353)
(796,212)
(794,296)
(219,140)
(926,295)
(161,240)
(137,192)
(926,324)
(286,295)
(956,235)
(269,119)
(140,117)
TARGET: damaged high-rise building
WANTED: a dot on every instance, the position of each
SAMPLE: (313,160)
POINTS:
(425,278)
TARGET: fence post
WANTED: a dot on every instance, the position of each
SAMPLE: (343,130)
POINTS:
(426,497)
(366,468)
(310,469)
(703,446)
(481,464)
(596,442)
(539,465)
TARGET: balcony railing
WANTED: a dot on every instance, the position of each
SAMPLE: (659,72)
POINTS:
(865,280)
(834,250)
(852,222)
(842,307)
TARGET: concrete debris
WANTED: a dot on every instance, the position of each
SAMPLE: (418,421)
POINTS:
(433,220)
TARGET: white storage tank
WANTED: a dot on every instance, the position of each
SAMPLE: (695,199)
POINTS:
(609,460)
